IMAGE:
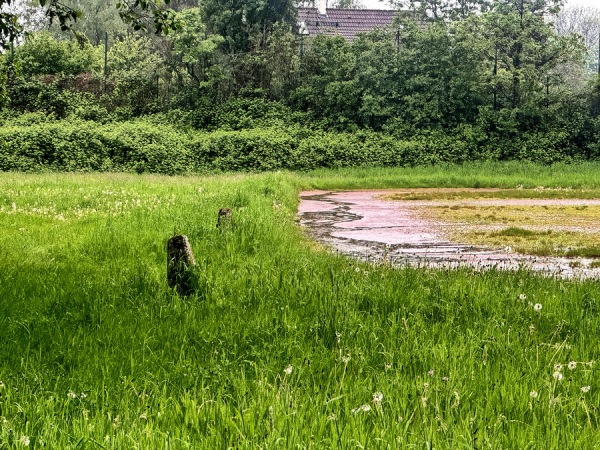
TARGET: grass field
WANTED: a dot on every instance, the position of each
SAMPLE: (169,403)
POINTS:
(284,345)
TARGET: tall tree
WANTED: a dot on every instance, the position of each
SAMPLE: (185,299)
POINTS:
(246,24)
(141,14)
(583,21)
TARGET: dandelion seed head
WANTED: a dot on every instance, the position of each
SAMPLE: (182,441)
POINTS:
(557,375)
(377,397)
(288,370)
(365,408)
(585,389)
(537,307)
(25,440)
(572,365)
(533,394)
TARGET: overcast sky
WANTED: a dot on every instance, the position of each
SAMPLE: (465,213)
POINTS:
(376,4)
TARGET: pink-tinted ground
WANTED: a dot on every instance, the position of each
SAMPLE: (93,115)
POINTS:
(362,225)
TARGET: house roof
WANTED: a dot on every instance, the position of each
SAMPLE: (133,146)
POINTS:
(343,22)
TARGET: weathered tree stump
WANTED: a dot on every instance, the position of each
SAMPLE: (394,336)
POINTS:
(180,260)
(225,217)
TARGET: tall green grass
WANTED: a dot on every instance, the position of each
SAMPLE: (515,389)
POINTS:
(285,344)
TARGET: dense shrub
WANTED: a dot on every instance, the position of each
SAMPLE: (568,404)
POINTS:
(88,146)
(30,143)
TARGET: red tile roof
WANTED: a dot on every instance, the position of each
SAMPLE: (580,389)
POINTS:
(345,22)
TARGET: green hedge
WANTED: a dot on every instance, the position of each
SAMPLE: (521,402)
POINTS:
(142,146)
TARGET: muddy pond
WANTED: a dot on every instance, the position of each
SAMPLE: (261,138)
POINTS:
(450,228)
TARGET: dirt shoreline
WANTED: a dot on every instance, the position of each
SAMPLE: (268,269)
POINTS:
(364,225)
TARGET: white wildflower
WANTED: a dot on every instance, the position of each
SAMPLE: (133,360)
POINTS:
(558,367)
(537,307)
(431,372)
(288,370)
(346,359)
(445,379)
(557,375)
(363,408)
(25,440)
(338,337)
(585,389)
(332,416)
(71,394)
(533,394)
(572,365)
(522,297)
(377,397)
(83,395)
(143,416)
(2,385)
(388,366)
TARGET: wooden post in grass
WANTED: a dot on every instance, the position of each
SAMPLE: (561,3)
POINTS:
(180,260)
(225,217)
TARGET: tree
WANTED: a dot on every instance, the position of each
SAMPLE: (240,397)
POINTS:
(195,50)
(141,14)
(246,24)
(583,21)
(134,69)
(42,54)
(97,19)
(525,51)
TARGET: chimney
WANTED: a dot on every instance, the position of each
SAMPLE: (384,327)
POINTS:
(322,7)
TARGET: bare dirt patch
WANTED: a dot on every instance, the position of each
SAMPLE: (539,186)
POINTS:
(480,228)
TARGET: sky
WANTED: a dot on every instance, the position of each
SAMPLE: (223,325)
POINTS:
(376,4)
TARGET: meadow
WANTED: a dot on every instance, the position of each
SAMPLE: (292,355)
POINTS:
(284,344)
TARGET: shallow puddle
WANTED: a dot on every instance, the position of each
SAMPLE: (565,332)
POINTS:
(364,225)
